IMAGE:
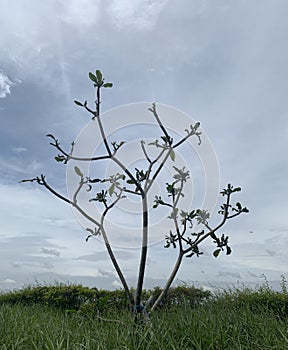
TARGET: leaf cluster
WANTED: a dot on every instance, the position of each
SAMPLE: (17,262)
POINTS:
(184,237)
(221,243)
(98,80)
(100,197)
(98,83)
(140,177)
(193,131)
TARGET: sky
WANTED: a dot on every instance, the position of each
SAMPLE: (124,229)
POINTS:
(220,62)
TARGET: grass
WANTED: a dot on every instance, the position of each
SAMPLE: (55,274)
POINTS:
(232,320)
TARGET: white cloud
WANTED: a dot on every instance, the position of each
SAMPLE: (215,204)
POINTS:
(116,284)
(19,149)
(81,12)
(20,166)
(139,14)
(9,282)
(5,85)
(25,208)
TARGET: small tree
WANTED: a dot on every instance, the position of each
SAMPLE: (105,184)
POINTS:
(189,228)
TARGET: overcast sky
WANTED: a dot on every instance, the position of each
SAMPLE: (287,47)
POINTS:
(222,62)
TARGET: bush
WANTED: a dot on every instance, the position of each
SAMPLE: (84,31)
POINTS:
(183,295)
(77,297)
(259,300)
(61,296)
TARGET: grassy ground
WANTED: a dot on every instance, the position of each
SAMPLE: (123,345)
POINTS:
(235,320)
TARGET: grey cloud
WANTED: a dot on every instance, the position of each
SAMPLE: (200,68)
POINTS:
(21,252)
(222,61)
(47,265)
(29,262)
(27,242)
(93,257)
(280,240)
(271,252)
(50,251)
(100,256)
(15,264)
(279,229)
(57,221)
(255,250)
(105,273)
(252,274)
(229,274)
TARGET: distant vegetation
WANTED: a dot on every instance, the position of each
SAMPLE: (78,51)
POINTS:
(76,317)
(93,300)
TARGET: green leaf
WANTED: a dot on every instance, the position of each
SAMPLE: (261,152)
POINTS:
(196,126)
(99,76)
(237,189)
(239,206)
(93,77)
(78,171)
(108,85)
(172,155)
(78,103)
(228,250)
(131,182)
(59,158)
(87,238)
(216,252)
(111,190)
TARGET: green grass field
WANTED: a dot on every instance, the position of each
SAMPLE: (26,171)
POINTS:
(232,320)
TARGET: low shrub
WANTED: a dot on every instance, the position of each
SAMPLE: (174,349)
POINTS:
(183,295)
(77,297)
(259,300)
